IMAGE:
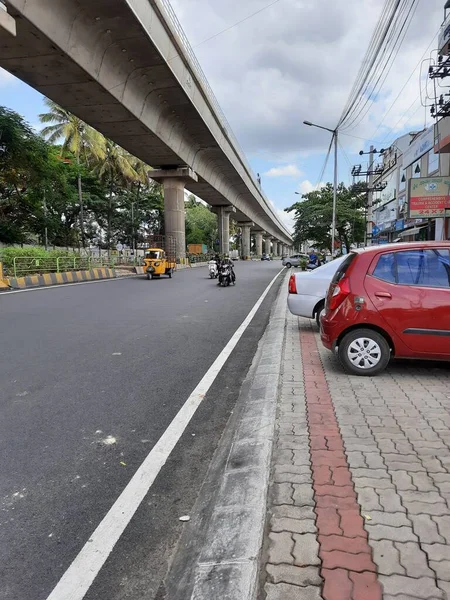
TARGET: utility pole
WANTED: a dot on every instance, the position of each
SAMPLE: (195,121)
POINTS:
(45,221)
(333,224)
(369,226)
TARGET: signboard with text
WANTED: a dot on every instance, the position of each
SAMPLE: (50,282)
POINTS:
(429,197)
(420,146)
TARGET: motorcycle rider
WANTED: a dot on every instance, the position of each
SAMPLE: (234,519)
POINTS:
(228,262)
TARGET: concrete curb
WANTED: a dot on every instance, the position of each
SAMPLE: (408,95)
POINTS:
(227,564)
(47,279)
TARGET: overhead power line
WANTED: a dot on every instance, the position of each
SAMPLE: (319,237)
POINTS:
(385,44)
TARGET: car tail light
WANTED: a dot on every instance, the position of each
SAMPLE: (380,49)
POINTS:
(339,293)
(292,285)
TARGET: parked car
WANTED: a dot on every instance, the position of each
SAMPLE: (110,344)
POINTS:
(389,301)
(266,257)
(308,289)
(295,260)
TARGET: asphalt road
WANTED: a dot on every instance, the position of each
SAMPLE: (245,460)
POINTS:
(90,378)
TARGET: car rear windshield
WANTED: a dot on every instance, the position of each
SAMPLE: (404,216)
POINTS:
(343,268)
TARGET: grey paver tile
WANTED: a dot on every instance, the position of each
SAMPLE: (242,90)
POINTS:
(424,588)
(282,493)
(426,529)
(278,524)
(294,512)
(392,519)
(387,558)
(413,559)
(306,550)
(284,591)
(280,548)
(303,494)
(305,576)
(403,481)
(395,534)
(419,508)
(390,500)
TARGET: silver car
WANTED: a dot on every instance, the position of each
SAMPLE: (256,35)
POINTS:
(295,260)
(308,289)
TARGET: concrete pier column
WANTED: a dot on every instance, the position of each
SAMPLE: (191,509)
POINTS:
(280,249)
(245,228)
(259,243)
(223,224)
(174,181)
(267,248)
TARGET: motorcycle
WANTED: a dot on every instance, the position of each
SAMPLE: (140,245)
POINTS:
(213,271)
(225,276)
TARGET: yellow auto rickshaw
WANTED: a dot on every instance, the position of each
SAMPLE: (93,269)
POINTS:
(157,263)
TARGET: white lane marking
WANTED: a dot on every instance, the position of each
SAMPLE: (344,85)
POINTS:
(78,578)
(64,285)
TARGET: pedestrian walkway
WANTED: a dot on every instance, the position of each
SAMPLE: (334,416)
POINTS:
(361,479)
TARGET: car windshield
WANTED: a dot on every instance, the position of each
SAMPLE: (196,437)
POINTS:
(152,255)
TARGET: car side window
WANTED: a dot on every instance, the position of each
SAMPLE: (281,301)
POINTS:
(436,269)
(385,269)
(410,265)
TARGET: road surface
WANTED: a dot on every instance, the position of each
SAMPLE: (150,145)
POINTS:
(90,378)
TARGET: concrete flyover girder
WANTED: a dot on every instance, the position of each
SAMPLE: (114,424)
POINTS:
(125,67)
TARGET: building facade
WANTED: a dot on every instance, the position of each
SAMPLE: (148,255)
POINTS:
(413,156)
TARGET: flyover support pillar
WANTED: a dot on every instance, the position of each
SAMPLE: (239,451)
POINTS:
(223,217)
(259,243)
(267,249)
(174,181)
(245,228)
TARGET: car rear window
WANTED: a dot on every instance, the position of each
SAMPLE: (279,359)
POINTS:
(343,267)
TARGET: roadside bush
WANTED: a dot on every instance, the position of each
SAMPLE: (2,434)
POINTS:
(7,256)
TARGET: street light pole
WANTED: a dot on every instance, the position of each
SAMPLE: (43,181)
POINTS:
(335,183)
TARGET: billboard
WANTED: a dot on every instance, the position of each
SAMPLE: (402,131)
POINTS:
(429,197)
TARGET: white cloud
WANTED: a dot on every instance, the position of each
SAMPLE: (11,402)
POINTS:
(297,61)
(306,186)
(285,218)
(286,171)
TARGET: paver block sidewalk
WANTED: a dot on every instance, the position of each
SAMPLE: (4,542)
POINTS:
(361,479)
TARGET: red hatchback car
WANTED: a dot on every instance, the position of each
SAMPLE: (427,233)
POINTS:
(386,301)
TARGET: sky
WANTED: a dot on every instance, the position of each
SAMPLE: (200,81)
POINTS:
(292,61)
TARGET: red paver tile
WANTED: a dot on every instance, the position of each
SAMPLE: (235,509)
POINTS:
(354,545)
(348,570)
(334,502)
(345,560)
(328,520)
(366,586)
(337,586)
(341,476)
(343,491)
(352,523)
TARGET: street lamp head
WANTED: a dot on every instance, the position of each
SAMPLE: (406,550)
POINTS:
(307,123)
(361,152)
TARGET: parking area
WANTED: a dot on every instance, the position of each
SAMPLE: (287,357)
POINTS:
(361,490)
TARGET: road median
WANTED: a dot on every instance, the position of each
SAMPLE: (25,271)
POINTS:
(49,279)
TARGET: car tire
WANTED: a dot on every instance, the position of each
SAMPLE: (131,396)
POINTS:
(288,265)
(170,273)
(354,355)
(319,312)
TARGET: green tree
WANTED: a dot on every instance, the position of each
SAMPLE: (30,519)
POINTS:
(314,213)
(201,224)
(116,171)
(78,138)
(24,165)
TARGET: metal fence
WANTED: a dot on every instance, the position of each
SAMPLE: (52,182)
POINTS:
(27,265)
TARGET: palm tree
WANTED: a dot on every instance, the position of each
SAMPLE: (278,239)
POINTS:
(115,168)
(87,144)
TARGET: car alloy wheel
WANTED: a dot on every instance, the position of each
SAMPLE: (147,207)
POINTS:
(364,352)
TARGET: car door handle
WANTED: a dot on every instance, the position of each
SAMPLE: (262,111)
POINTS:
(383,295)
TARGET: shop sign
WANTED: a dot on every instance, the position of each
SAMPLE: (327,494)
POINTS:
(429,197)
(420,146)
(400,225)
